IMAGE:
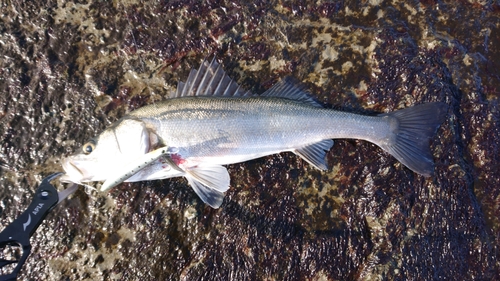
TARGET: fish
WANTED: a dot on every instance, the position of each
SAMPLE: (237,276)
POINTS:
(210,121)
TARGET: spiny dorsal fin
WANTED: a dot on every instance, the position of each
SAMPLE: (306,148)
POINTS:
(288,88)
(209,80)
(315,153)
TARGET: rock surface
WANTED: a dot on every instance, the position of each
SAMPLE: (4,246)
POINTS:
(67,70)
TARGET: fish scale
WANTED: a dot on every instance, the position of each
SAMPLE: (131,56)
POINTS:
(210,122)
(254,126)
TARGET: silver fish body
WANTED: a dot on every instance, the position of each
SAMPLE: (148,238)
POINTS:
(211,122)
(226,130)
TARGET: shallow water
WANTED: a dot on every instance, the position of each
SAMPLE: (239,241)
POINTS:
(69,70)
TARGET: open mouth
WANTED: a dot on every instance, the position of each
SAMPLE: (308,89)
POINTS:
(72,172)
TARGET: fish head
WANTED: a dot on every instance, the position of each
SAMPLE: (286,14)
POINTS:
(101,156)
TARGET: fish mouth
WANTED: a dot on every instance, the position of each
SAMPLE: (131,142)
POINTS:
(72,173)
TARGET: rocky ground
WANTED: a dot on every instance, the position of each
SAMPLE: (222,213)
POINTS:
(68,70)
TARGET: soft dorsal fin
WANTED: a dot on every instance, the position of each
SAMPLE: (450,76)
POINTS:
(288,88)
(315,153)
(209,80)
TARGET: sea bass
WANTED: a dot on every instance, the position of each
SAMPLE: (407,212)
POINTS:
(210,121)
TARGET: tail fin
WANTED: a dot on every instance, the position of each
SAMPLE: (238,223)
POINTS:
(415,128)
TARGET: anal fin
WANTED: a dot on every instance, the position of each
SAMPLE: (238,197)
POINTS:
(315,153)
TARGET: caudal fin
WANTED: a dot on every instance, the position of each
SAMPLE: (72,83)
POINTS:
(412,133)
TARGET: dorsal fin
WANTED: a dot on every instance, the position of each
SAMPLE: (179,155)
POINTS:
(288,88)
(209,80)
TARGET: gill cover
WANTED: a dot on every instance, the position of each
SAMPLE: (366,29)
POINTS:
(116,146)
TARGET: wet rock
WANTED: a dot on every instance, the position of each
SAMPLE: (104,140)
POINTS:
(70,69)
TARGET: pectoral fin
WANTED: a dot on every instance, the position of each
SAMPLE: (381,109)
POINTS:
(209,195)
(315,153)
(133,167)
(213,176)
(209,182)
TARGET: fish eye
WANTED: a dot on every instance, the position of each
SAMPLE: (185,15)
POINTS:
(88,147)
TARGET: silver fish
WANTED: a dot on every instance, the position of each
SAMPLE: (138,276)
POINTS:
(210,122)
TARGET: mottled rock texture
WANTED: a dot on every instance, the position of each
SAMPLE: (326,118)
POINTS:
(67,70)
